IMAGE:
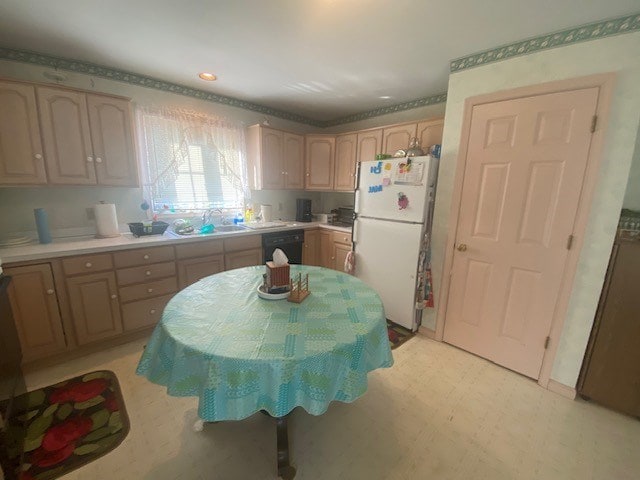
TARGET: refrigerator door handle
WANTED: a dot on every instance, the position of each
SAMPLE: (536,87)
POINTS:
(356,202)
(354,235)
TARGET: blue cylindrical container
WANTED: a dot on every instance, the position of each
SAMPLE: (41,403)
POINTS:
(42,225)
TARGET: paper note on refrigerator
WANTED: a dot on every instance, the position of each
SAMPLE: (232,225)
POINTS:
(409,174)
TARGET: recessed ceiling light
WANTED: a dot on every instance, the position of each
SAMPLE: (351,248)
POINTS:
(385,97)
(209,77)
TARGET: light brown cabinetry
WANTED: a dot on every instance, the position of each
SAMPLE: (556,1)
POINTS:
(310,247)
(94,306)
(319,162)
(87,138)
(193,269)
(21,154)
(369,144)
(429,132)
(276,158)
(326,249)
(242,252)
(35,308)
(345,162)
(397,138)
(147,280)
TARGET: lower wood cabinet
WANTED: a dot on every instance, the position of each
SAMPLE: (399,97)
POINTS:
(243,258)
(94,306)
(193,269)
(143,313)
(310,247)
(326,249)
(35,308)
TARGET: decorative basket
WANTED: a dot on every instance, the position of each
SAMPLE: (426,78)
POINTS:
(140,229)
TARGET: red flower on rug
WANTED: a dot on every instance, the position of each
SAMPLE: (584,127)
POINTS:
(61,435)
(111,403)
(79,392)
(43,458)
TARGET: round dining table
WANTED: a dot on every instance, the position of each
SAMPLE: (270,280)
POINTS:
(240,353)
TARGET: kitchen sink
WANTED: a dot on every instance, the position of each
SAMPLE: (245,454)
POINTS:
(220,229)
(229,228)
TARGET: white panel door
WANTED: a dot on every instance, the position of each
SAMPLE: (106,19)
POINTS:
(523,178)
(378,191)
(387,260)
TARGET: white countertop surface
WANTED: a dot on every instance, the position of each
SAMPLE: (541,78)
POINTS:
(69,246)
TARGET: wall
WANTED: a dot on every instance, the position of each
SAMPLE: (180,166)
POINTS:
(632,195)
(67,206)
(613,54)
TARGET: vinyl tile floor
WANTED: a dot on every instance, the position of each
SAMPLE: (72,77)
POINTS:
(438,413)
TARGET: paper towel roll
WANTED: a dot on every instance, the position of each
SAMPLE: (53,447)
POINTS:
(265,213)
(106,220)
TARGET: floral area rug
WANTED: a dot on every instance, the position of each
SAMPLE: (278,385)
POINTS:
(64,426)
(397,334)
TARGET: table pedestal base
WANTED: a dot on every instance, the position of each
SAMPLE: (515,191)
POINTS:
(285,470)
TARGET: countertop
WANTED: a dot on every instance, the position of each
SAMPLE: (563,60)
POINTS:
(65,247)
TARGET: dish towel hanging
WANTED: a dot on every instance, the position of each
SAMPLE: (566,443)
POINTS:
(350,262)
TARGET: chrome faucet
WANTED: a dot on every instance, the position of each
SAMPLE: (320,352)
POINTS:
(207,214)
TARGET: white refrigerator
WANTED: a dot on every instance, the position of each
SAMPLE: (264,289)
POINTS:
(391,233)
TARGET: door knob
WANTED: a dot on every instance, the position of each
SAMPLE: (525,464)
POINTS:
(462,247)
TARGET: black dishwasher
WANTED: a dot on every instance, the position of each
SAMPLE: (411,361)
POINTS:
(290,242)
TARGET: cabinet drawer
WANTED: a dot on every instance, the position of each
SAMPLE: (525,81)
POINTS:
(142,256)
(87,264)
(143,313)
(127,276)
(242,243)
(199,249)
(149,289)
(342,237)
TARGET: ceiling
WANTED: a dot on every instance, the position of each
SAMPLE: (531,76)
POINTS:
(321,59)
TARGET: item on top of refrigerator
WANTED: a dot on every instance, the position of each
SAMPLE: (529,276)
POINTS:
(383,156)
(400,153)
(414,148)
(435,150)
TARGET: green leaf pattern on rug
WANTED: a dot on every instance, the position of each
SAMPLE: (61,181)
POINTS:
(92,402)
(115,422)
(108,441)
(100,419)
(64,411)
(38,427)
(97,434)
(31,444)
(28,416)
(35,398)
(50,410)
(92,376)
(86,448)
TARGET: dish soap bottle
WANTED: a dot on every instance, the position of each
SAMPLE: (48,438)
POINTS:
(248,214)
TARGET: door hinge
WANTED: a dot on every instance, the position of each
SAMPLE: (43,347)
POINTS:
(594,122)
(547,342)
(569,242)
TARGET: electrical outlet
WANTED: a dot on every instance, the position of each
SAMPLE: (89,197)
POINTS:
(91,215)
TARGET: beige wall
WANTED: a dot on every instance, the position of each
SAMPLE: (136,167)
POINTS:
(613,54)
(632,195)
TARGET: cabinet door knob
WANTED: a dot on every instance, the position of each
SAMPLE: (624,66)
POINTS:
(462,247)
(152,311)
(346,239)
(50,291)
(89,159)
(38,156)
(147,273)
(150,290)
(88,265)
(307,174)
(114,296)
(98,160)
(146,257)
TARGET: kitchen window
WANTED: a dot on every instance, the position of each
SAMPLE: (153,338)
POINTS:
(191,161)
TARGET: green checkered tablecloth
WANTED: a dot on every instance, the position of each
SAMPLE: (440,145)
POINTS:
(239,353)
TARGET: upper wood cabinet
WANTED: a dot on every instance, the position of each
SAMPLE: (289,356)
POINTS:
(320,158)
(21,154)
(345,162)
(112,139)
(369,144)
(87,138)
(36,311)
(397,138)
(276,158)
(429,132)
